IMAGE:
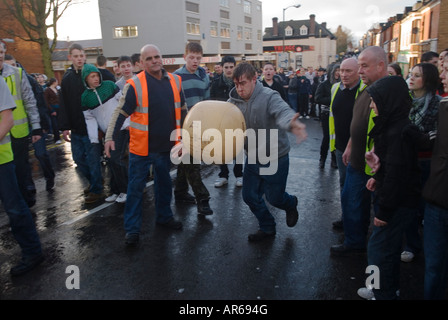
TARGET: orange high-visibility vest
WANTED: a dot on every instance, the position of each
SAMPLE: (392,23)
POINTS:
(139,124)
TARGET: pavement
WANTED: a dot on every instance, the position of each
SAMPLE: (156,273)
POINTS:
(209,260)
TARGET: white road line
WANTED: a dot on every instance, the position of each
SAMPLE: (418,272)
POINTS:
(104,206)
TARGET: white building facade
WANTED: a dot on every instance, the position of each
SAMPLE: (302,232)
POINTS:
(222,27)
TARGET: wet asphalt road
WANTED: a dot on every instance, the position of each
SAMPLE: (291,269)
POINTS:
(210,259)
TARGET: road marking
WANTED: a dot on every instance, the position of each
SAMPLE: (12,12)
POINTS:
(104,205)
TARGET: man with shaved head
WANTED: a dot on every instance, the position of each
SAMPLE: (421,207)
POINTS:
(343,96)
(154,101)
(355,197)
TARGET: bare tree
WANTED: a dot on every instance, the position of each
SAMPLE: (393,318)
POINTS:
(37,17)
(344,39)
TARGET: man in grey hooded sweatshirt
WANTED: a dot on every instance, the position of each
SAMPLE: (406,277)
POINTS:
(268,118)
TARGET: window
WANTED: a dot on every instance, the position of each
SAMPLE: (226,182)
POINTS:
(303,30)
(247,34)
(224,14)
(247,7)
(258,7)
(125,32)
(213,28)
(224,3)
(247,20)
(288,31)
(259,35)
(193,26)
(225,30)
(248,46)
(192,7)
(225,45)
(238,1)
(239,33)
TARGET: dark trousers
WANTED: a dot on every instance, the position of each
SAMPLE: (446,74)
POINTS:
(237,170)
(304,100)
(190,174)
(40,151)
(20,148)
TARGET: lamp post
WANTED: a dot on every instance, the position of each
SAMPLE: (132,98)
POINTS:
(284,9)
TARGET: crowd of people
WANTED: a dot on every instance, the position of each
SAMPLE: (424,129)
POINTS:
(386,136)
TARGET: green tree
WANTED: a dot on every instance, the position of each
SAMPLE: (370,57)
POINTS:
(344,38)
(37,17)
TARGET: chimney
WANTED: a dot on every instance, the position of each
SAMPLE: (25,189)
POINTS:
(275,27)
(312,25)
(324,25)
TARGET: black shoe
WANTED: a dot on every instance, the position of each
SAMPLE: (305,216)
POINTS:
(339,225)
(292,215)
(132,239)
(260,235)
(343,250)
(172,224)
(321,164)
(204,207)
(26,265)
(334,165)
(50,184)
(185,198)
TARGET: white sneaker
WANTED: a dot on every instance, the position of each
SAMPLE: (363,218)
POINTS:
(58,142)
(307,117)
(111,198)
(407,256)
(220,182)
(366,293)
(301,117)
(239,182)
(121,198)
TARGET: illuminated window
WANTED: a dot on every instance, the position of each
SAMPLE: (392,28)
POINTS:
(213,28)
(193,26)
(125,32)
(225,30)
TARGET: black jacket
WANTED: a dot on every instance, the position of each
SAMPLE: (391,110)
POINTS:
(70,114)
(219,89)
(398,179)
(435,190)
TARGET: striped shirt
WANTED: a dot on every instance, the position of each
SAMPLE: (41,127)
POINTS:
(196,86)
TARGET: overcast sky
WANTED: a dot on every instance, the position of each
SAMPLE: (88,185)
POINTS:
(355,15)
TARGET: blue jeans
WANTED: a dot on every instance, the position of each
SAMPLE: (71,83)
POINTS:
(40,151)
(138,169)
(293,102)
(384,251)
(272,186)
(118,164)
(87,158)
(20,219)
(342,168)
(435,240)
(356,203)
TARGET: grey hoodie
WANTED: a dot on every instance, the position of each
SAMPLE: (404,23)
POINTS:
(265,110)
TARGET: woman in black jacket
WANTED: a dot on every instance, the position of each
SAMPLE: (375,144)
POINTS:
(395,183)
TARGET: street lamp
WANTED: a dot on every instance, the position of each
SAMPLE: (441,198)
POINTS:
(284,9)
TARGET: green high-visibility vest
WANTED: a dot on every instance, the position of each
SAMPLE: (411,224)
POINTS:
(370,142)
(21,128)
(334,91)
(6,154)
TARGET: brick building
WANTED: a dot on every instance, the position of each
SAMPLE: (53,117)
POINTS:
(26,52)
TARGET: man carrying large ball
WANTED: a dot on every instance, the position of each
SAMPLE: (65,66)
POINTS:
(269,117)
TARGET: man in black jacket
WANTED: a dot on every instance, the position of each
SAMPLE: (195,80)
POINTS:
(73,125)
(220,90)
